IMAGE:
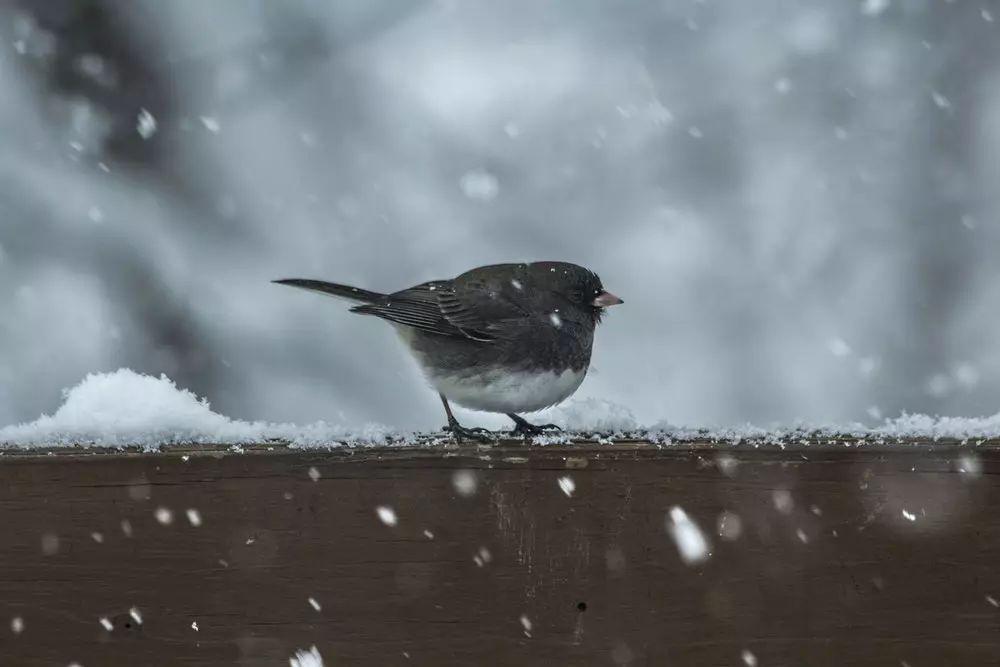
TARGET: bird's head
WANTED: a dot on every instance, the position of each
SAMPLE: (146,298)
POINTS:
(581,287)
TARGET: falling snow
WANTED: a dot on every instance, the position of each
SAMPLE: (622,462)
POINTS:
(940,101)
(136,616)
(874,7)
(211,124)
(164,516)
(782,500)
(386,515)
(50,544)
(526,624)
(310,658)
(555,320)
(314,604)
(749,659)
(691,542)
(106,623)
(482,557)
(193,517)
(17,625)
(313,473)
(567,485)
(479,185)
(465,482)
(909,516)
(145,124)
(729,526)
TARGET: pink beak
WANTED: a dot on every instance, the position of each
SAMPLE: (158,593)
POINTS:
(605,299)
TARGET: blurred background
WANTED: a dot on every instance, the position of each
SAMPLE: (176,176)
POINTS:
(797,199)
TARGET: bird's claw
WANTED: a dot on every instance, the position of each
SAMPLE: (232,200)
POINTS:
(524,429)
(461,433)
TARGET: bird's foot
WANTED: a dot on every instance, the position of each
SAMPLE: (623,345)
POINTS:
(525,429)
(461,433)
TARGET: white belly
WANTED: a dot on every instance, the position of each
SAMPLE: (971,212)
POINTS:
(509,392)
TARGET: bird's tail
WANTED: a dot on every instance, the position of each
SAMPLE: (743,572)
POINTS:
(333,289)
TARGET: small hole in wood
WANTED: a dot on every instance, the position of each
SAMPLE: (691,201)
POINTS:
(582,606)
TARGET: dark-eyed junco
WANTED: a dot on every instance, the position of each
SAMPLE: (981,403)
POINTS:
(503,338)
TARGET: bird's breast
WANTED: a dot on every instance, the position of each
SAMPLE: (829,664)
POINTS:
(501,390)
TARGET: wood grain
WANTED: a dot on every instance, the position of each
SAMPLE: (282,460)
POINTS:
(846,556)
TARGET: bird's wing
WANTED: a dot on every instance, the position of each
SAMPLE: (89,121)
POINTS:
(469,310)
(485,304)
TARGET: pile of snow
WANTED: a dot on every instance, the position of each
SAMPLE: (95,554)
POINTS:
(125,408)
(591,415)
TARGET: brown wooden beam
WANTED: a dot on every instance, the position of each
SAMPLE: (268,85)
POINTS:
(882,554)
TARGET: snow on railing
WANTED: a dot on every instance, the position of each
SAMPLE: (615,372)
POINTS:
(125,408)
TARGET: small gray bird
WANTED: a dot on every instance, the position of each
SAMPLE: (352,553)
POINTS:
(504,338)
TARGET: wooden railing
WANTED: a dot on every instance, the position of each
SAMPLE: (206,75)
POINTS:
(815,553)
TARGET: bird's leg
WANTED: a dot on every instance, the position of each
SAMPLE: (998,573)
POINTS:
(525,428)
(459,431)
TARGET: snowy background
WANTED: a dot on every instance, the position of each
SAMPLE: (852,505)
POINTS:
(797,200)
